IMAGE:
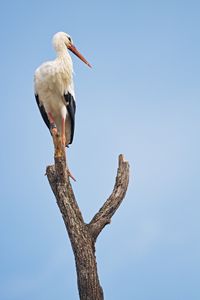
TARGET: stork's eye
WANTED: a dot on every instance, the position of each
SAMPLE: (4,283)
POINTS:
(69,39)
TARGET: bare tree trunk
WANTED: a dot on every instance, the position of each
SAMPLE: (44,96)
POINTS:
(83,236)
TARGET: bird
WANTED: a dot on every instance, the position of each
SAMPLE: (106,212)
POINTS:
(54,89)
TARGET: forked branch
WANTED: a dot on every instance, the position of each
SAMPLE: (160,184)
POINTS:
(103,217)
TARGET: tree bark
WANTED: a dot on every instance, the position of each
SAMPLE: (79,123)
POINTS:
(83,236)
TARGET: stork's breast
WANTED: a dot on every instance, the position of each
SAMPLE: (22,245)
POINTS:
(52,78)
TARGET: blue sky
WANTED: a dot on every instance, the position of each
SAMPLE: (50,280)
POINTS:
(141,98)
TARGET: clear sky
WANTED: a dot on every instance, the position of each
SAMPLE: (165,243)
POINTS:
(142,99)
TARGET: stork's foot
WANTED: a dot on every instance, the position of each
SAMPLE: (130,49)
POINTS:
(70,174)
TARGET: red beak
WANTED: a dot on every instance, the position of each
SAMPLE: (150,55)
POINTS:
(75,51)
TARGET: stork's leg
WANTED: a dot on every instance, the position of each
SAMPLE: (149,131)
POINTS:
(63,132)
(59,150)
(53,127)
(64,145)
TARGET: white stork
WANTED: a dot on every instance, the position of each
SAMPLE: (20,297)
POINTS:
(54,89)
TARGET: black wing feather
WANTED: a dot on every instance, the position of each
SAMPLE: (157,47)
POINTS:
(71,108)
(42,111)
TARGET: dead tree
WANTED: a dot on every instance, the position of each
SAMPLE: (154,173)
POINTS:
(83,236)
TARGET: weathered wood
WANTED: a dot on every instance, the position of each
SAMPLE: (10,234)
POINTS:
(103,217)
(82,235)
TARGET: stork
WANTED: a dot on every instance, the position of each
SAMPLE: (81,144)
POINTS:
(54,89)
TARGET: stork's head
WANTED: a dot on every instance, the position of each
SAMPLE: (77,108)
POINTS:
(62,40)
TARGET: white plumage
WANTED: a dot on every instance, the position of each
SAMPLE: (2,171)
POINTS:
(54,88)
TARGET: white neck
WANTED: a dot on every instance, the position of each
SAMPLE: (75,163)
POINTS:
(61,51)
(63,55)
(65,65)
(65,58)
